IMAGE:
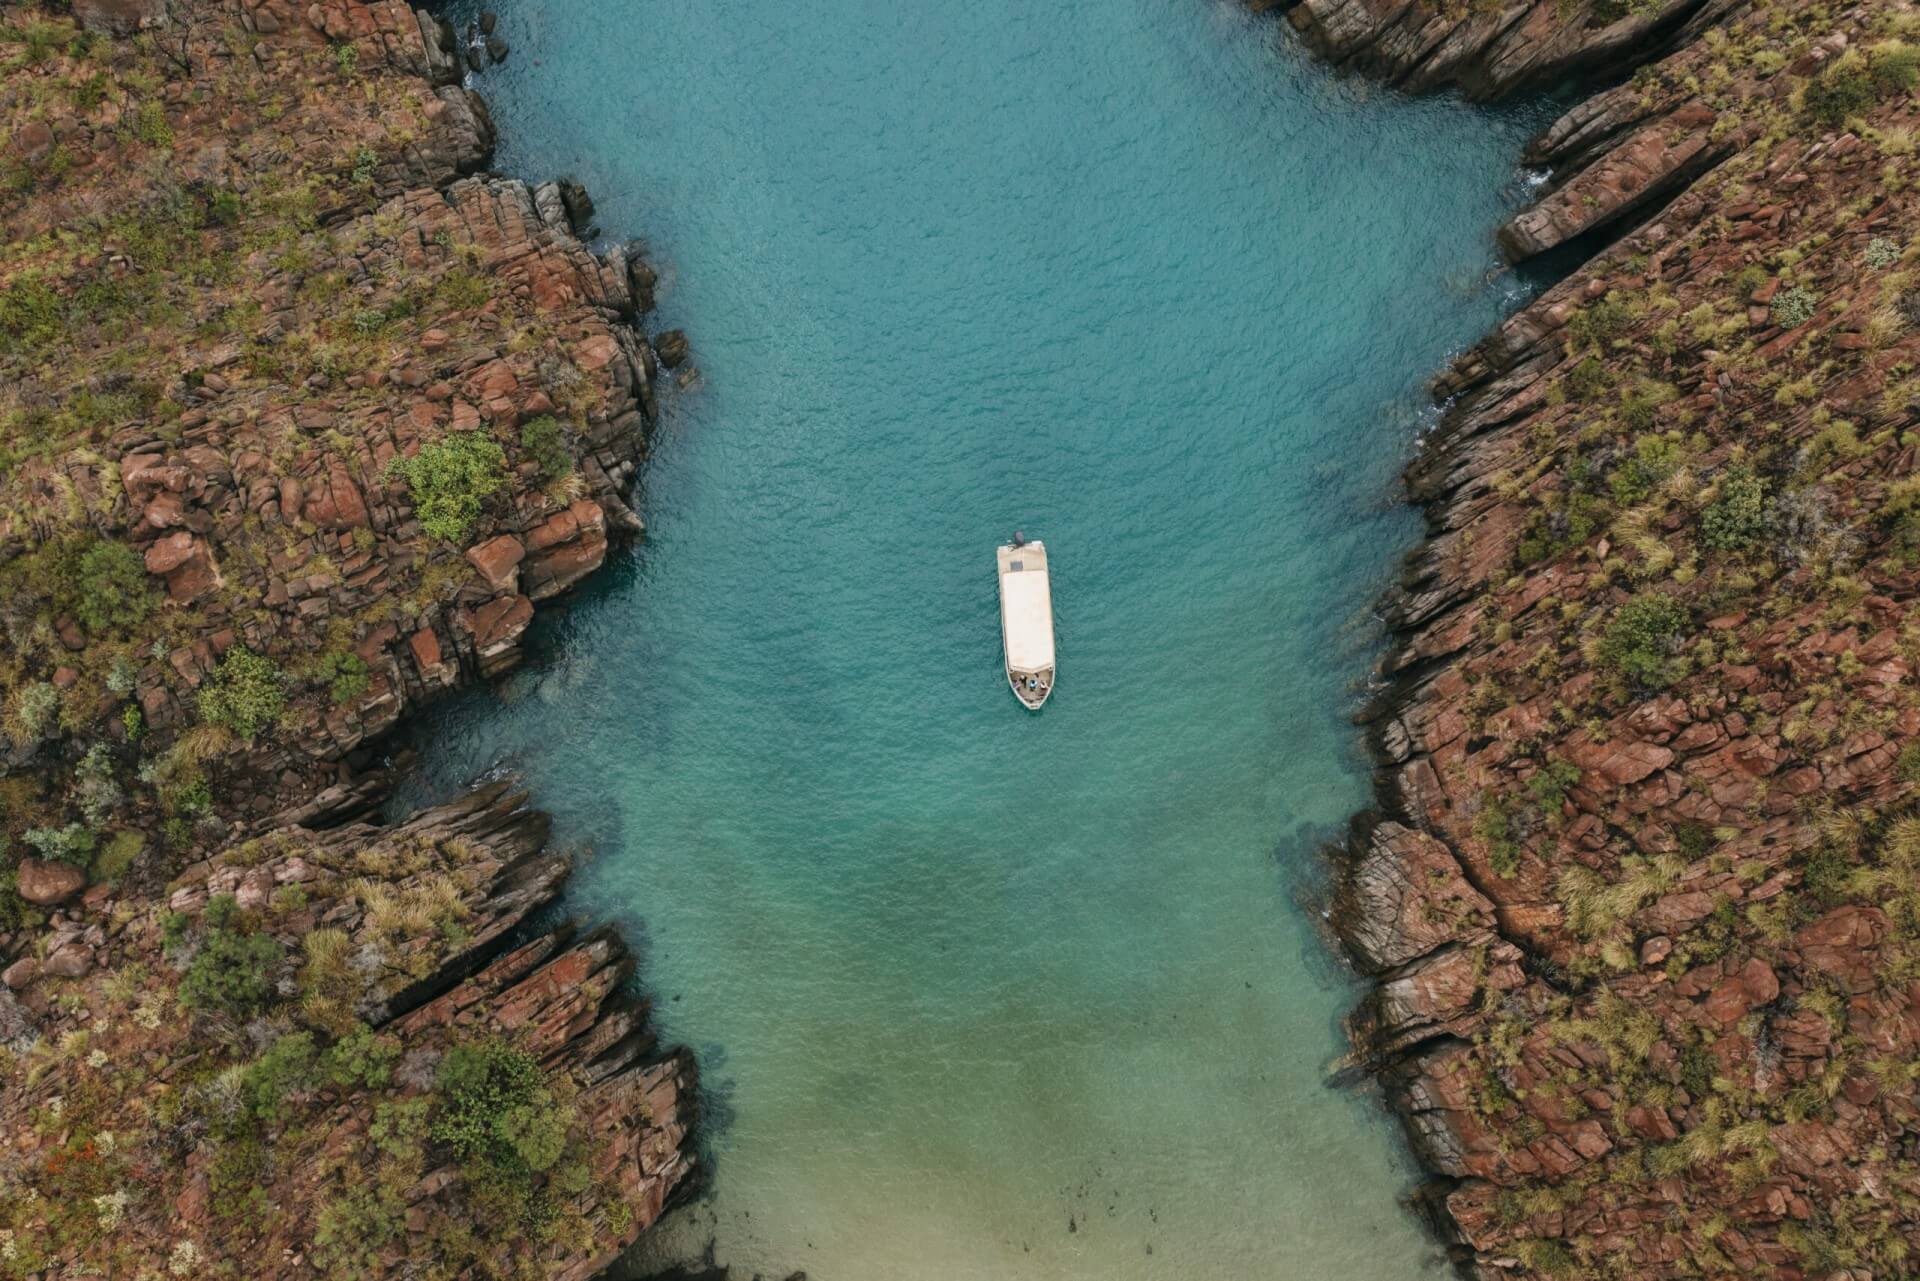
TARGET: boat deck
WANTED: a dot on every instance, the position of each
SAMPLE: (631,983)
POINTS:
(1026,621)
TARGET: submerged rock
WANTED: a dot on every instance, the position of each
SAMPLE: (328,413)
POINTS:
(671,347)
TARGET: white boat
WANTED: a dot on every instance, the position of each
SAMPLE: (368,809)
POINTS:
(1026,620)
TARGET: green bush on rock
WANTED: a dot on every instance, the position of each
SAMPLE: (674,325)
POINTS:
(449,480)
(233,970)
(544,442)
(1643,638)
(1794,307)
(506,1126)
(245,694)
(1737,516)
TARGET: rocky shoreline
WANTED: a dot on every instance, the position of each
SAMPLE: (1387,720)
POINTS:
(1637,897)
(304,414)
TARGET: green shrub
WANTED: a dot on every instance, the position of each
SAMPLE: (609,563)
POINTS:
(70,844)
(1895,66)
(1882,252)
(1641,641)
(1845,89)
(1589,380)
(360,1059)
(233,971)
(285,1069)
(15,912)
(1654,459)
(31,314)
(1907,764)
(1494,826)
(245,693)
(223,208)
(1794,307)
(545,443)
(108,588)
(149,125)
(1598,323)
(345,675)
(1551,782)
(1750,279)
(450,480)
(1737,516)
(502,1121)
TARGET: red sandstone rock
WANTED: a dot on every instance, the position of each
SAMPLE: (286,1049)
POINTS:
(46,884)
(498,560)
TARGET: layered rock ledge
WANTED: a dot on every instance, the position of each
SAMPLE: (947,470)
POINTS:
(1639,894)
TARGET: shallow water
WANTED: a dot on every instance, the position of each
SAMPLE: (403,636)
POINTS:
(979,993)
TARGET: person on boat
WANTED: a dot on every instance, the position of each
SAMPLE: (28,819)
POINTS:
(1019,539)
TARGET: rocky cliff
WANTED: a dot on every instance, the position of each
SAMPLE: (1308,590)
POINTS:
(1640,892)
(301,415)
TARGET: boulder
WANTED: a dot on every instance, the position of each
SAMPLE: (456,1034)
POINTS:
(579,204)
(120,17)
(34,141)
(671,347)
(46,883)
(69,961)
(498,560)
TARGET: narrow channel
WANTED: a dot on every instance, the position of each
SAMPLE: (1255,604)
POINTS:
(980,993)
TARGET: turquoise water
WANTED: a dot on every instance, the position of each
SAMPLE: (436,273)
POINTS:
(979,993)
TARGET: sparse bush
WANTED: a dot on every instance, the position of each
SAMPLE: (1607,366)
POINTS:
(35,706)
(149,125)
(245,693)
(1494,826)
(1794,306)
(1551,782)
(1882,252)
(1589,379)
(15,912)
(1895,66)
(1654,459)
(1643,638)
(1907,764)
(95,788)
(450,480)
(1600,322)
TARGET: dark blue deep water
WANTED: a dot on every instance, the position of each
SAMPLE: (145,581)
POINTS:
(979,993)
